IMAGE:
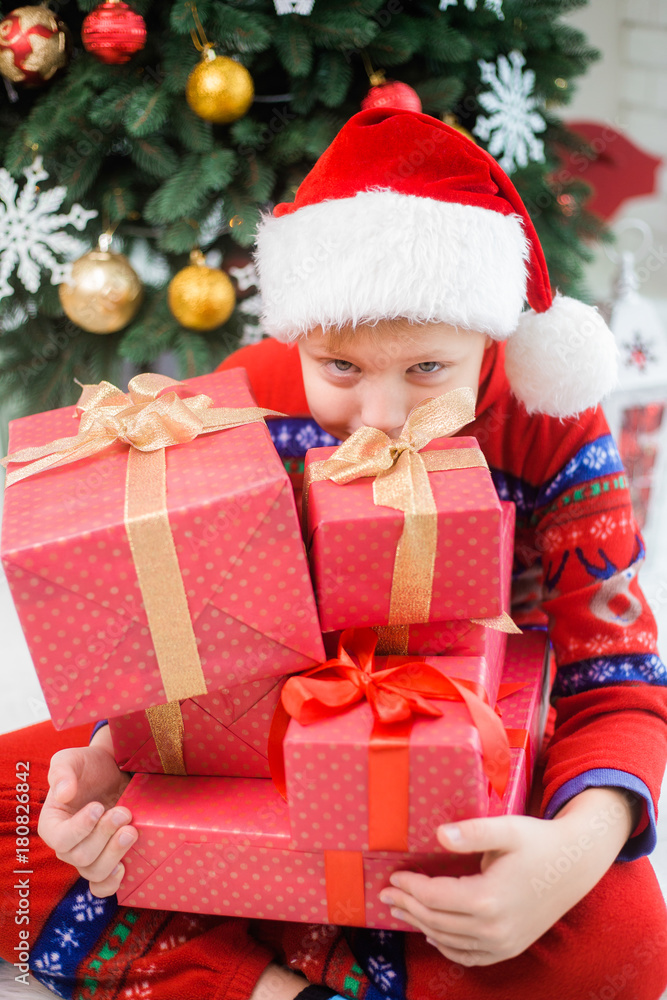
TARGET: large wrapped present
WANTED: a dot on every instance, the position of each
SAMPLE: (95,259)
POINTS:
(458,636)
(153,549)
(225,732)
(405,531)
(381,749)
(224,845)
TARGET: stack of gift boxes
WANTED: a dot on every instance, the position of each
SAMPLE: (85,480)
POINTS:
(302,704)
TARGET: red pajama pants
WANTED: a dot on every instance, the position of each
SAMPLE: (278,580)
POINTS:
(611,946)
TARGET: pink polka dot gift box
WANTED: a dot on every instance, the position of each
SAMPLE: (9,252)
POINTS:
(458,636)
(376,564)
(385,784)
(225,845)
(152,547)
(225,732)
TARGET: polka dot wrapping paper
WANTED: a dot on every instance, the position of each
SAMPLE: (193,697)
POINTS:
(461,637)
(225,732)
(225,845)
(352,545)
(327,769)
(238,543)
(524,713)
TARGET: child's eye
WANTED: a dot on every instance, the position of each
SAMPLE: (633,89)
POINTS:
(428,367)
(342,366)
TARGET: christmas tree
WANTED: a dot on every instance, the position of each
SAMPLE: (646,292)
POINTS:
(127,150)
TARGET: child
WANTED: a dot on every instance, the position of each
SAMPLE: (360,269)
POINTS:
(399,271)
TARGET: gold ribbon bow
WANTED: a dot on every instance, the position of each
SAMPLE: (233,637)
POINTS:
(149,418)
(401,481)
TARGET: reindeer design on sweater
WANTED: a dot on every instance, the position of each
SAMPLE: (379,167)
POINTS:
(613,601)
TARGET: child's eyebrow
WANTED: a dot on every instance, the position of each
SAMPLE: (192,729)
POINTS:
(440,355)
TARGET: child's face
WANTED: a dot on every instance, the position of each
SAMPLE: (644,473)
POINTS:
(374,376)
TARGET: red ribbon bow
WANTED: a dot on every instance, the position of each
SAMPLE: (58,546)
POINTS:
(395,694)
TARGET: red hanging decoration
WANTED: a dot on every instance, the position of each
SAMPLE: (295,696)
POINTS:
(390,94)
(34,45)
(113,32)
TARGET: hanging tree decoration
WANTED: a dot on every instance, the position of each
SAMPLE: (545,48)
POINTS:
(450,119)
(34,45)
(388,93)
(219,89)
(294,6)
(103,293)
(31,235)
(201,297)
(494,5)
(113,32)
(513,121)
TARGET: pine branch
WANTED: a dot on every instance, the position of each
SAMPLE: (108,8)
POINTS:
(146,110)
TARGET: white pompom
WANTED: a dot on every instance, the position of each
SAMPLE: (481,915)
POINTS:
(562,361)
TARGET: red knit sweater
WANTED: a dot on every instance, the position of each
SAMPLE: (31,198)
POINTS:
(577,553)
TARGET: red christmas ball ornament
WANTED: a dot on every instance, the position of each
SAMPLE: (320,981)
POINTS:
(390,94)
(34,45)
(113,32)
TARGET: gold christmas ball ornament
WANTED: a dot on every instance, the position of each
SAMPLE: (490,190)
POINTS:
(219,89)
(451,119)
(103,293)
(34,45)
(201,297)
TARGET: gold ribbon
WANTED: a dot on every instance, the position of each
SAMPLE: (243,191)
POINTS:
(395,639)
(150,418)
(401,481)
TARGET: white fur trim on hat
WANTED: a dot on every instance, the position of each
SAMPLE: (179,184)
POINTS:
(383,255)
(562,361)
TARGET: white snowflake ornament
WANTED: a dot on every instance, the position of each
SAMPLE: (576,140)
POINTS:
(294,6)
(31,235)
(246,276)
(495,5)
(252,307)
(513,120)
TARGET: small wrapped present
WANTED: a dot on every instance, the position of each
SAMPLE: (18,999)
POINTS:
(405,531)
(458,636)
(152,547)
(225,845)
(382,749)
(224,733)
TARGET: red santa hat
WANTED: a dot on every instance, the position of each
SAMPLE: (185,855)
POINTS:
(403,216)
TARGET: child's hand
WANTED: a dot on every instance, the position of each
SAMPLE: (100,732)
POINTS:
(524,887)
(78,819)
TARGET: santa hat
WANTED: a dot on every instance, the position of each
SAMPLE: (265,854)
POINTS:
(403,216)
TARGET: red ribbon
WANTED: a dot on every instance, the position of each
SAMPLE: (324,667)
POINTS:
(519,739)
(395,694)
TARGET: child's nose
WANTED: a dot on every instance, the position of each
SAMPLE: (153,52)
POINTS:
(384,411)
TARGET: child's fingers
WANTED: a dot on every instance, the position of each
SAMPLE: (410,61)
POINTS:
(469,959)
(60,830)
(470,836)
(425,917)
(460,942)
(109,885)
(102,867)
(86,852)
(62,778)
(81,838)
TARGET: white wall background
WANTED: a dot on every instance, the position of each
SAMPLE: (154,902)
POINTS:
(627,89)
